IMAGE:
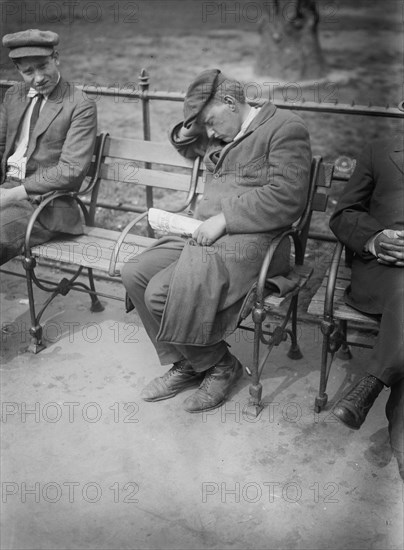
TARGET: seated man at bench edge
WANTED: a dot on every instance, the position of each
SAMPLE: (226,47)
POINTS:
(369,220)
(47,136)
(188,292)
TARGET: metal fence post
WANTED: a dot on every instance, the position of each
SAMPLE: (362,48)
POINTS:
(144,88)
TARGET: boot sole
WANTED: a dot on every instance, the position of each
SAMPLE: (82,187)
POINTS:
(237,377)
(173,394)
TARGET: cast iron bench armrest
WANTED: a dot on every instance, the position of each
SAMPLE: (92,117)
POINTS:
(101,139)
(331,281)
(42,205)
(262,277)
(192,186)
(114,257)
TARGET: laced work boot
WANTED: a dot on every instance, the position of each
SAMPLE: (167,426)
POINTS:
(353,408)
(216,385)
(180,376)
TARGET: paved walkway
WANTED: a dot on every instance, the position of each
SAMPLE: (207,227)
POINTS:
(87,465)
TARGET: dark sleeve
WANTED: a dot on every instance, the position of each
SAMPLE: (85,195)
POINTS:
(191,147)
(75,157)
(351,221)
(3,125)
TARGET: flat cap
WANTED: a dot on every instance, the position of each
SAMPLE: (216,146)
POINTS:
(199,92)
(30,43)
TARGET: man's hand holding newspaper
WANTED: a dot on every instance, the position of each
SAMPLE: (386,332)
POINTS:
(167,222)
(205,233)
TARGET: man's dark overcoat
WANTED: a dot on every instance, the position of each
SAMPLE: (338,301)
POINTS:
(372,200)
(260,183)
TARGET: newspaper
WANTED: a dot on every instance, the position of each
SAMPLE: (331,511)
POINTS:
(168,222)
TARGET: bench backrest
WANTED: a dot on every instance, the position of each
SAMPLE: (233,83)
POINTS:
(321,177)
(150,165)
(339,173)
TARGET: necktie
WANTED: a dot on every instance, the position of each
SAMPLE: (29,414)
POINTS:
(35,114)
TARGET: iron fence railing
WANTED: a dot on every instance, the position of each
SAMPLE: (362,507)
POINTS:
(143,93)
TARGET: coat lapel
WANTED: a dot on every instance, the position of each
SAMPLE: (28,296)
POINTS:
(17,112)
(267,111)
(50,110)
(397,155)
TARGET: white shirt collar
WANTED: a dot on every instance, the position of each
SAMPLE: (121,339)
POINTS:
(250,117)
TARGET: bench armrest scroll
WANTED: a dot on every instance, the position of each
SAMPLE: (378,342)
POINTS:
(119,242)
(42,206)
(332,278)
(99,152)
(192,186)
(260,291)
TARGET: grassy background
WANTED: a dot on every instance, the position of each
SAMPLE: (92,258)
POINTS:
(107,43)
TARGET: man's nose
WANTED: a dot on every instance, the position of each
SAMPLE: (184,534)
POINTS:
(210,132)
(38,78)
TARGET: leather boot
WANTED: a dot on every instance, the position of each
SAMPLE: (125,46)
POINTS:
(353,408)
(216,385)
(180,376)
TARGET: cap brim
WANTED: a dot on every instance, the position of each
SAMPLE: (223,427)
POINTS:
(187,123)
(30,51)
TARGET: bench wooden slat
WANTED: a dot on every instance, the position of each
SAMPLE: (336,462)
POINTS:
(92,249)
(341,309)
(146,151)
(325,176)
(132,174)
(320,201)
(99,232)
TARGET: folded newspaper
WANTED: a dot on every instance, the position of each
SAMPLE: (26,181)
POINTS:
(172,223)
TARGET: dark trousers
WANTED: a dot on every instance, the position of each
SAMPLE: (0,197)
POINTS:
(14,220)
(147,278)
(381,291)
(395,416)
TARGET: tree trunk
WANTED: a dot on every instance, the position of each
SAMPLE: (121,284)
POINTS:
(289,46)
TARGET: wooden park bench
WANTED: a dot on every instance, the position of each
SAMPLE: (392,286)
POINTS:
(133,162)
(156,165)
(152,165)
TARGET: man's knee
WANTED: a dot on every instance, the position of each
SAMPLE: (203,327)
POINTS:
(394,300)
(131,276)
(155,297)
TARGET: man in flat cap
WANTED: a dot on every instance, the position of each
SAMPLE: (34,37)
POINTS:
(188,292)
(47,135)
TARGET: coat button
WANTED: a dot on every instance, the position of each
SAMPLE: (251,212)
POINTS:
(215,176)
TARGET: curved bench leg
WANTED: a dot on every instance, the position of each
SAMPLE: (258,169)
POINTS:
(36,344)
(96,305)
(294,350)
(322,398)
(344,352)
(254,406)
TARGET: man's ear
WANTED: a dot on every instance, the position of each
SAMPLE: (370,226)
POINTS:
(56,57)
(230,102)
